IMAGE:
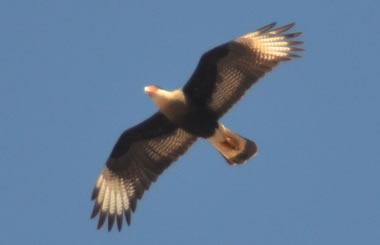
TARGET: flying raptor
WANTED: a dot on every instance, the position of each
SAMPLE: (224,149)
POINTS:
(221,78)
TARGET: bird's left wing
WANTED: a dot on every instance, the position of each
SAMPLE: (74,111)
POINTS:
(226,72)
(140,155)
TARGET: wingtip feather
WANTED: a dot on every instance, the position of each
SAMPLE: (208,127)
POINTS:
(95,210)
(128,216)
(283,28)
(266,28)
(111,219)
(95,193)
(119,220)
(292,35)
(102,219)
(273,44)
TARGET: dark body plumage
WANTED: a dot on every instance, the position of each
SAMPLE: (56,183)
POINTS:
(199,121)
(199,92)
(221,78)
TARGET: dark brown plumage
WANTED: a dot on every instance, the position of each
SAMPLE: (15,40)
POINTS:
(238,64)
(140,155)
(221,78)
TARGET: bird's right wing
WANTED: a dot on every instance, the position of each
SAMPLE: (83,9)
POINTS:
(140,155)
(226,72)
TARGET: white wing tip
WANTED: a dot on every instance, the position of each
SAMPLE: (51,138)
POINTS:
(275,44)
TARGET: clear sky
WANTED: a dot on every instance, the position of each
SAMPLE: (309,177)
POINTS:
(72,75)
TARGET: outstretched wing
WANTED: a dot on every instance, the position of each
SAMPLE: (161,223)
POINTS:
(226,72)
(140,155)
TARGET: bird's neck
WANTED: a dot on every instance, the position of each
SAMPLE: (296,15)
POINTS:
(171,103)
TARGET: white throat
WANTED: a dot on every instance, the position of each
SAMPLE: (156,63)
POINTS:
(171,103)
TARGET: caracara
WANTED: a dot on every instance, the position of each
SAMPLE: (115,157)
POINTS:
(221,78)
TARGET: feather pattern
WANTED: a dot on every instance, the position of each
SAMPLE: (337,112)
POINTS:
(221,78)
(146,151)
(226,72)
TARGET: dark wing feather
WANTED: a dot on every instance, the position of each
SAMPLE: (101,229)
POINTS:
(226,72)
(140,155)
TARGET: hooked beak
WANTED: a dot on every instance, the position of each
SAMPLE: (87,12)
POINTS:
(151,90)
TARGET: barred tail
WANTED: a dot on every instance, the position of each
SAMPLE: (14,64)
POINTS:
(233,147)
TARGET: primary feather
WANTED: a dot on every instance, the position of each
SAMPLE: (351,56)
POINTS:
(226,72)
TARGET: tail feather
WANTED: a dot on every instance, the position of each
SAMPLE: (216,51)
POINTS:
(233,147)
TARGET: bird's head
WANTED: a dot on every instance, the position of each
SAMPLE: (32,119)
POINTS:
(163,97)
(160,96)
(152,90)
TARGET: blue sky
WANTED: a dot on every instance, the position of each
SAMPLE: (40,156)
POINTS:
(72,78)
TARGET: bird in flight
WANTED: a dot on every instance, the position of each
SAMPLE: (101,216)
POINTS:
(221,78)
